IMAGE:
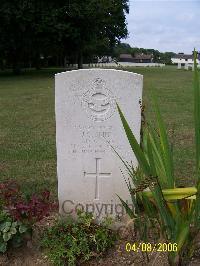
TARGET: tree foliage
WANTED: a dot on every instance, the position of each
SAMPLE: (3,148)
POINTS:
(62,28)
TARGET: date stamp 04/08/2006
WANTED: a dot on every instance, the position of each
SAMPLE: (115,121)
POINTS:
(149,247)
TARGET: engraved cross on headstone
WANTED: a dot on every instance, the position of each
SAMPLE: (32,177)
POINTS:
(97,175)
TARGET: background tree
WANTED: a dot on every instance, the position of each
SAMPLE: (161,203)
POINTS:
(122,48)
(97,23)
(166,58)
(60,29)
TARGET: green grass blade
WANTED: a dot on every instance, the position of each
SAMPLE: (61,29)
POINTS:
(180,238)
(150,156)
(158,158)
(167,155)
(129,211)
(134,145)
(165,214)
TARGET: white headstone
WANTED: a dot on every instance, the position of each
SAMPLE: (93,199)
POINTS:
(186,66)
(179,65)
(87,125)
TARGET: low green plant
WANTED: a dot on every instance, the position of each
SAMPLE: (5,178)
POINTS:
(11,232)
(69,241)
(153,190)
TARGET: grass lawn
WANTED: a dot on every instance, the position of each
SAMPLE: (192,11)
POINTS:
(27,123)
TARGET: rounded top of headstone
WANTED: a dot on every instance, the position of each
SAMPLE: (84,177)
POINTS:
(99,70)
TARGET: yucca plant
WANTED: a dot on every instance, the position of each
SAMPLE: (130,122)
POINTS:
(153,186)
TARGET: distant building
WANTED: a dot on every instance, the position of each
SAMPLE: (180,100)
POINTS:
(137,58)
(126,58)
(143,58)
(182,58)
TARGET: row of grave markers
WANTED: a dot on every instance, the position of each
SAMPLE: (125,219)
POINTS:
(187,66)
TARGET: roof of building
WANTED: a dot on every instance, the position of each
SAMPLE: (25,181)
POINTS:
(136,56)
(125,56)
(183,56)
(143,56)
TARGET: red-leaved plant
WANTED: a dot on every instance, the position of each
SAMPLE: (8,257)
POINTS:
(27,211)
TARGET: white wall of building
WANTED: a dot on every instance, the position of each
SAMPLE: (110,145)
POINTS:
(183,61)
(124,64)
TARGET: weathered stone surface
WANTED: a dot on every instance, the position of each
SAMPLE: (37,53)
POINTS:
(87,125)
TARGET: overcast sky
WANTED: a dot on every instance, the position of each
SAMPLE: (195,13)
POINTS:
(172,25)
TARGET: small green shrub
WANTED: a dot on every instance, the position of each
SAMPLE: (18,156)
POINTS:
(68,241)
(11,232)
